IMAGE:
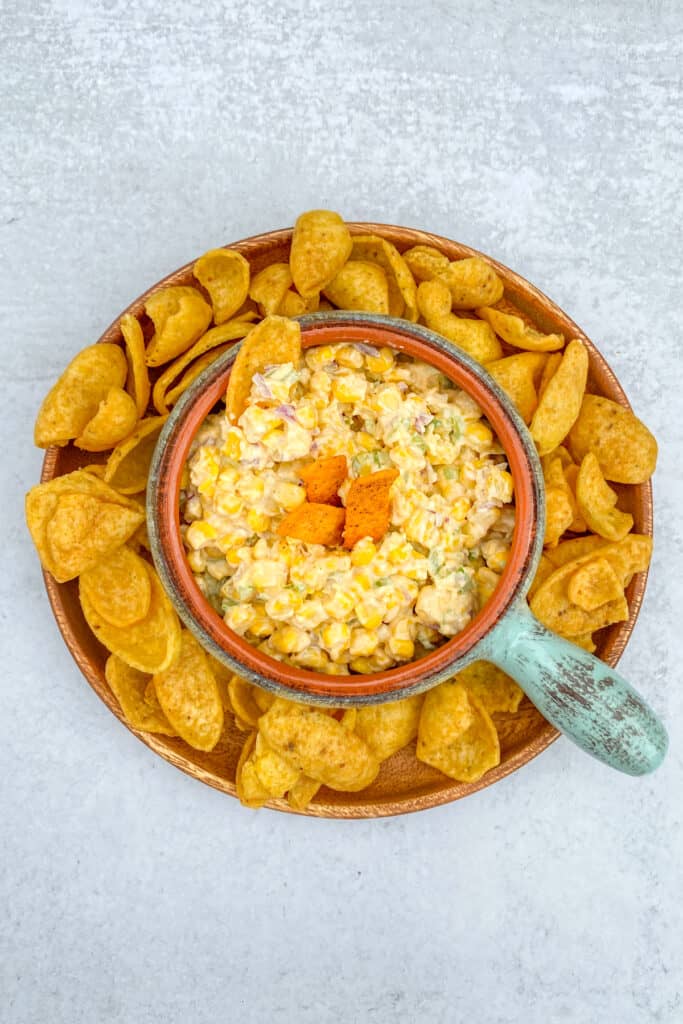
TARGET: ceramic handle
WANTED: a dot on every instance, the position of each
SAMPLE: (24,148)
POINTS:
(584,698)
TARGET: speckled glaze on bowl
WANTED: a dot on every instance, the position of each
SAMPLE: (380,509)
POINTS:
(404,785)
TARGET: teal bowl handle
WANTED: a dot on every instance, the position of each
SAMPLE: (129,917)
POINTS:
(581,696)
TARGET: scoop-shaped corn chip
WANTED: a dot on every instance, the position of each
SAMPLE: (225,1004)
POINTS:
(456,734)
(571,472)
(518,376)
(368,506)
(275,340)
(433,300)
(222,674)
(244,706)
(321,245)
(545,569)
(263,698)
(128,465)
(323,478)
(622,444)
(570,550)
(552,362)
(493,687)
(594,584)
(425,262)
(387,728)
(116,416)
(475,337)
(551,602)
(472,282)
(213,342)
(293,305)
(151,644)
(191,374)
(274,773)
(180,317)
(400,282)
(319,746)
(129,686)
(225,275)
(597,502)
(302,792)
(76,520)
(250,790)
(119,587)
(269,287)
(138,378)
(585,641)
(314,523)
(559,407)
(73,401)
(560,504)
(189,695)
(360,285)
(512,329)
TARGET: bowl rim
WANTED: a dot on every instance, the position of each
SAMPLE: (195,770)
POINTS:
(170,558)
(540,306)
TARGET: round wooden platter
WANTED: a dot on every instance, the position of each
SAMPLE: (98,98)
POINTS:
(404,784)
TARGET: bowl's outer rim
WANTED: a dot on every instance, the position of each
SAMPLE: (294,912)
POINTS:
(451,791)
(196,613)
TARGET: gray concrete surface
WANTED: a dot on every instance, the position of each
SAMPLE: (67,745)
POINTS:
(133,137)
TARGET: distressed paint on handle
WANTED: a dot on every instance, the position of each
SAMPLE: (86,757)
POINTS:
(584,698)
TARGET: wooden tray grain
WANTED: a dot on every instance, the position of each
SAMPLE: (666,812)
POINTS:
(404,784)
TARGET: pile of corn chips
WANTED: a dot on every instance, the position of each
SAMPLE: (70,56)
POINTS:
(114,398)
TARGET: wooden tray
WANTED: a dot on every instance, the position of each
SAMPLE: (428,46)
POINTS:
(404,784)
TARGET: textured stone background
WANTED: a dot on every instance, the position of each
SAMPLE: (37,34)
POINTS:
(132,138)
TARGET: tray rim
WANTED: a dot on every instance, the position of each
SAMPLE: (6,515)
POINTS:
(451,791)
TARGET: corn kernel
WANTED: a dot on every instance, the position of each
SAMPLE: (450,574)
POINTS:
(233,445)
(388,399)
(402,648)
(307,415)
(349,389)
(290,640)
(257,521)
(347,355)
(460,508)
(261,625)
(229,504)
(362,642)
(368,615)
(233,557)
(335,637)
(280,606)
(363,553)
(366,441)
(340,605)
(498,560)
(239,617)
(313,658)
(363,665)
(479,433)
(487,581)
(200,534)
(317,357)
(401,553)
(362,579)
(383,361)
(196,561)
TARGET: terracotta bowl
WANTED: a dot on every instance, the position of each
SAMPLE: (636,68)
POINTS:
(163,520)
(404,784)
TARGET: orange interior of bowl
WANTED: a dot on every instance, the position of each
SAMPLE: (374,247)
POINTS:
(411,674)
